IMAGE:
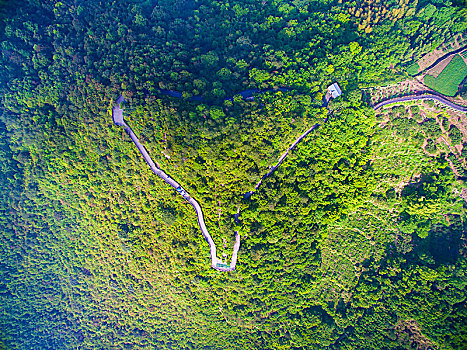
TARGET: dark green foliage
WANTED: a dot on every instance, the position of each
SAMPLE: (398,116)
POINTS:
(404,126)
(399,110)
(391,193)
(413,69)
(464,150)
(430,146)
(355,242)
(415,109)
(455,135)
(431,128)
(457,165)
(444,242)
(445,123)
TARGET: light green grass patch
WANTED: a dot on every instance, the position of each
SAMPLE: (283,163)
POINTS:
(413,69)
(448,81)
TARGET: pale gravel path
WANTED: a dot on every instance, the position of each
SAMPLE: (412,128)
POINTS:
(281,159)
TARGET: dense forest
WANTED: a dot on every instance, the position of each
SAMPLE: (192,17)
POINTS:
(357,241)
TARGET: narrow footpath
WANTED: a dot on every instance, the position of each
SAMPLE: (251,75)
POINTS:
(281,159)
(216,263)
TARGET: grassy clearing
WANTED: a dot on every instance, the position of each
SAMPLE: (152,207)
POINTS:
(448,81)
(413,69)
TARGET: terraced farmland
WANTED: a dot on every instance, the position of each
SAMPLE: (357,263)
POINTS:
(449,79)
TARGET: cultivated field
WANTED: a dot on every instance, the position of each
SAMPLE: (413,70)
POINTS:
(448,81)
(431,57)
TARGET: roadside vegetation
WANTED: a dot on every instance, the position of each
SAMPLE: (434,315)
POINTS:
(356,242)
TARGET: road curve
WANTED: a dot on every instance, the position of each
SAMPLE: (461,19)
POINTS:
(422,97)
(216,263)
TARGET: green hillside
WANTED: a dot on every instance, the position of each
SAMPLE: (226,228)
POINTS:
(357,241)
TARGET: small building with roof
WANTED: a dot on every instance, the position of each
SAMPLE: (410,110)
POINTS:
(335,90)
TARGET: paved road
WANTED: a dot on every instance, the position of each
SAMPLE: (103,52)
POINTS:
(422,97)
(216,263)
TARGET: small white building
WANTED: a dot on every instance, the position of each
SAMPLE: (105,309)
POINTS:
(334,90)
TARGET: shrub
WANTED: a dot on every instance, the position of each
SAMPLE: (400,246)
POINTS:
(464,150)
(455,135)
(399,109)
(457,165)
(445,123)
(430,146)
(430,103)
(413,69)
(431,128)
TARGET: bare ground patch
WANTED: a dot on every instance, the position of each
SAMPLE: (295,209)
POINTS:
(409,333)
(436,70)
(431,57)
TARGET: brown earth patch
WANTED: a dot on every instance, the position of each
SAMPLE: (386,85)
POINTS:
(436,70)
(460,120)
(409,333)
(429,59)
(463,194)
